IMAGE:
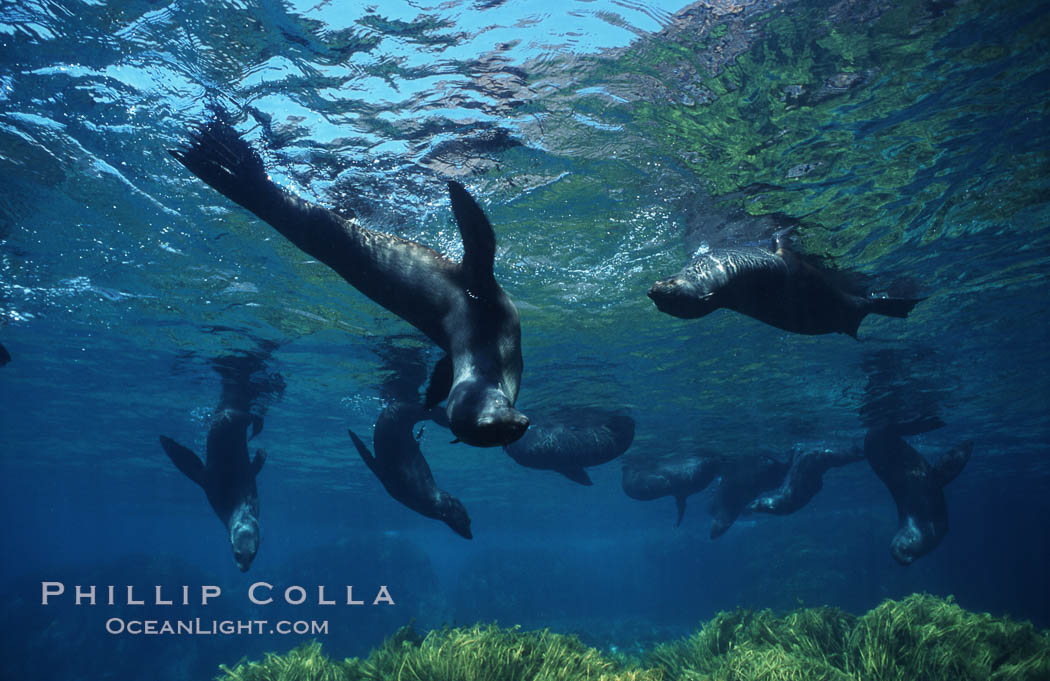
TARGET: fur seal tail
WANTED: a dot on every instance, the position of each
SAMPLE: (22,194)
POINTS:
(889,307)
(893,307)
(679,502)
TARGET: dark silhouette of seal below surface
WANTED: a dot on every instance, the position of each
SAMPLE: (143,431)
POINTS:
(577,440)
(777,287)
(459,306)
(399,464)
(228,473)
(803,480)
(917,489)
(676,476)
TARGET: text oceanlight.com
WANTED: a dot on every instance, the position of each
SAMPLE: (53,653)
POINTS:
(203,627)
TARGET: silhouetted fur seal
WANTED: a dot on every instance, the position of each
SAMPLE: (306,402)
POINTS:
(743,478)
(777,287)
(677,476)
(400,466)
(802,482)
(459,306)
(227,475)
(917,489)
(588,439)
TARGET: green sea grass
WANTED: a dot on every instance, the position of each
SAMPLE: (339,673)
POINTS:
(919,638)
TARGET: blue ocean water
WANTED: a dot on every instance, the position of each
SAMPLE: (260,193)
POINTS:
(608,141)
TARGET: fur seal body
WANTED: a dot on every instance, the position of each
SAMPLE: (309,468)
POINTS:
(803,480)
(677,477)
(776,287)
(568,448)
(743,478)
(459,306)
(399,464)
(917,489)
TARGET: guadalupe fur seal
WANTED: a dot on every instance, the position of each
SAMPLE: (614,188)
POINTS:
(400,466)
(459,306)
(917,489)
(743,478)
(677,476)
(777,287)
(227,475)
(589,438)
(803,480)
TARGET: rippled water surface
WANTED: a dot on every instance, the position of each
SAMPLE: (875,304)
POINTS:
(608,140)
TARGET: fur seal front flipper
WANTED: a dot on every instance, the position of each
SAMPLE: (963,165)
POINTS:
(777,287)
(917,489)
(399,464)
(5,356)
(459,306)
(576,439)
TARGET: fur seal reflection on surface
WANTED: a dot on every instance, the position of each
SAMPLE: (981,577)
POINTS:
(777,287)
(803,480)
(458,305)
(399,464)
(917,489)
(586,438)
(676,476)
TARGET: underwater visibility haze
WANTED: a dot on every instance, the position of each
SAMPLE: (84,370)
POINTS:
(768,286)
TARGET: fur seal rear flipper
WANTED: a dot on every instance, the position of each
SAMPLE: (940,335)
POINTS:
(5,357)
(677,476)
(459,306)
(917,489)
(581,439)
(804,479)
(777,287)
(399,464)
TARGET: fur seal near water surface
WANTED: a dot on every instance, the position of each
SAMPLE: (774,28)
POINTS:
(399,464)
(773,286)
(589,439)
(459,306)
(917,489)
(803,480)
(228,473)
(677,476)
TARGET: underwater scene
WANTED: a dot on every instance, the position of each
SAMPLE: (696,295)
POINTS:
(517,339)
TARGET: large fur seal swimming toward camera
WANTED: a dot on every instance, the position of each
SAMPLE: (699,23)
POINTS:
(228,473)
(743,478)
(677,476)
(917,489)
(777,287)
(803,480)
(459,306)
(587,438)
(399,464)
